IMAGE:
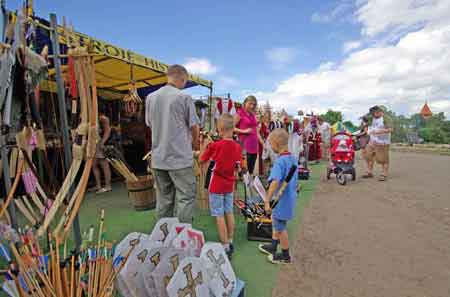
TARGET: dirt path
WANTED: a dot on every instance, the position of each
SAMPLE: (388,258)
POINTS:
(376,239)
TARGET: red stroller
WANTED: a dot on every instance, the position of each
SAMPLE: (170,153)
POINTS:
(342,158)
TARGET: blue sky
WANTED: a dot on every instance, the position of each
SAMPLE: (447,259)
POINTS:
(292,53)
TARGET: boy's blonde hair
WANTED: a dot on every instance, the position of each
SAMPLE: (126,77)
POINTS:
(227,122)
(280,137)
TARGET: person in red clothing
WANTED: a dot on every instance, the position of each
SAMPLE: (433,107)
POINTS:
(264,135)
(226,155)
(314,141)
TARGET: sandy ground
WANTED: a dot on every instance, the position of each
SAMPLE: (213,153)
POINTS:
(376,239)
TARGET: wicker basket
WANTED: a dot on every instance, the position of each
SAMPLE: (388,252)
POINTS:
(142,193)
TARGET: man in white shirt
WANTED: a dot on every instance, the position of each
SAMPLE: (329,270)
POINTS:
(380,139)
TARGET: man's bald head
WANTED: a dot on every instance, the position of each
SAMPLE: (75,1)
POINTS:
(177,75)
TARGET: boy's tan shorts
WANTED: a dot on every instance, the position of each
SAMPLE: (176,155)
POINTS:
(377,153)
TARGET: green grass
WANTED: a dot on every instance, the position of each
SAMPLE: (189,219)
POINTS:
(249,265)
(252,266)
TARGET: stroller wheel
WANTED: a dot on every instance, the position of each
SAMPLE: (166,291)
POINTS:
(328,173)
(341,178)
(353,174)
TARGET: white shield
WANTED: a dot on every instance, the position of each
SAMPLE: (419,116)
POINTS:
(191,241)
(130,274)
(162,229)
(154,258)
(166,269)
(122,250)
(174,232)
(189,280)
(123,247)
(220,275)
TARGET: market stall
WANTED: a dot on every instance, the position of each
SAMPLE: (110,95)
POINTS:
(124,79)
(51,97)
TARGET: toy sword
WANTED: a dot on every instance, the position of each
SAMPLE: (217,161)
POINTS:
(286,181)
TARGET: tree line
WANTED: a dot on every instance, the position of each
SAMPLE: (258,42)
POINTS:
(415,128)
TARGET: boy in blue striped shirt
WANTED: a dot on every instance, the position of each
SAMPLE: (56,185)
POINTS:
(284,211)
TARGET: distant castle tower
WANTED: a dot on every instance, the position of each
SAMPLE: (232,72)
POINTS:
(426,112)
(267,107)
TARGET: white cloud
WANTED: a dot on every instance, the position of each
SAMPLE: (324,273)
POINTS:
(401,75)
(351,46)
(378,16)
(200,66)
(340,12)
(281,56)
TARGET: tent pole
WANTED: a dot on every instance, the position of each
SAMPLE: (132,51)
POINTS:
(4,16)
(63,117)
(210,102)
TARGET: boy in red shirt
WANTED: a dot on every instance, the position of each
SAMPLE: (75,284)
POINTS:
(226,155)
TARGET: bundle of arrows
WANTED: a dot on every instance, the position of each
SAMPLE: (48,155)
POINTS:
(89,272)
(118,162)
(123,170)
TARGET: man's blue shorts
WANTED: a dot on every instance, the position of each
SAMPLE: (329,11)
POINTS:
(220,204)
(279,225)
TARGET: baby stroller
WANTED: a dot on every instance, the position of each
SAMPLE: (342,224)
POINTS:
(342,158)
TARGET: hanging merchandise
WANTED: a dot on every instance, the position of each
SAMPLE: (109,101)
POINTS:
(83,146)
(21,89)
(7,71)
(132,101)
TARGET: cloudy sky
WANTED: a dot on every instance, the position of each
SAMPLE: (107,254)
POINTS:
(309,55)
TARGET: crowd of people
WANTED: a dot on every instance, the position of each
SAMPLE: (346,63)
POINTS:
(246,139)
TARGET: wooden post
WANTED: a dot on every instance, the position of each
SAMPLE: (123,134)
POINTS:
(4,17)
(6,179)
(63,116)
(210,109)
(4,139)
